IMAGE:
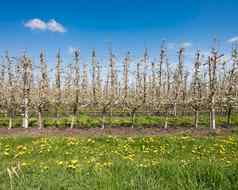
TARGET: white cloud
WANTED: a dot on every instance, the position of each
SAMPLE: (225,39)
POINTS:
(55,26)
(186,44)
(38,24)
(171,45)
(234,39)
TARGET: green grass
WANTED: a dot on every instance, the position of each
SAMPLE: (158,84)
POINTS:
(169,162)
(86,121)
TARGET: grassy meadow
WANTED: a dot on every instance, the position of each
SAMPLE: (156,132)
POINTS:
(118,163)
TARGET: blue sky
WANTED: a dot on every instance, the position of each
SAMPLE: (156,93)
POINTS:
(127,25)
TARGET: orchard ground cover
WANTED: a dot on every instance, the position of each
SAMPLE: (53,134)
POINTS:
(85,120)
(111,162)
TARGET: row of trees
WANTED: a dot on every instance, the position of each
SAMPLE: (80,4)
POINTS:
(155,87)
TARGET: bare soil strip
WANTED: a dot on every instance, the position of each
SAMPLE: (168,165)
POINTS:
(115,131)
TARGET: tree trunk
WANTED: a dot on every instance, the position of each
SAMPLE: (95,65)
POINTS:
(40,121)
(229,115)
(25,122)
(10,123)
(213,114)
(166,122)
(110,117)
(133,115)
(72,122)
(175,109)
(196,119)
(103,120)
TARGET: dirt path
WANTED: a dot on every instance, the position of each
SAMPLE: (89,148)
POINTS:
(114,131)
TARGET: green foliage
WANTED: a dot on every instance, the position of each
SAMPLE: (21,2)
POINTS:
(87,121)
